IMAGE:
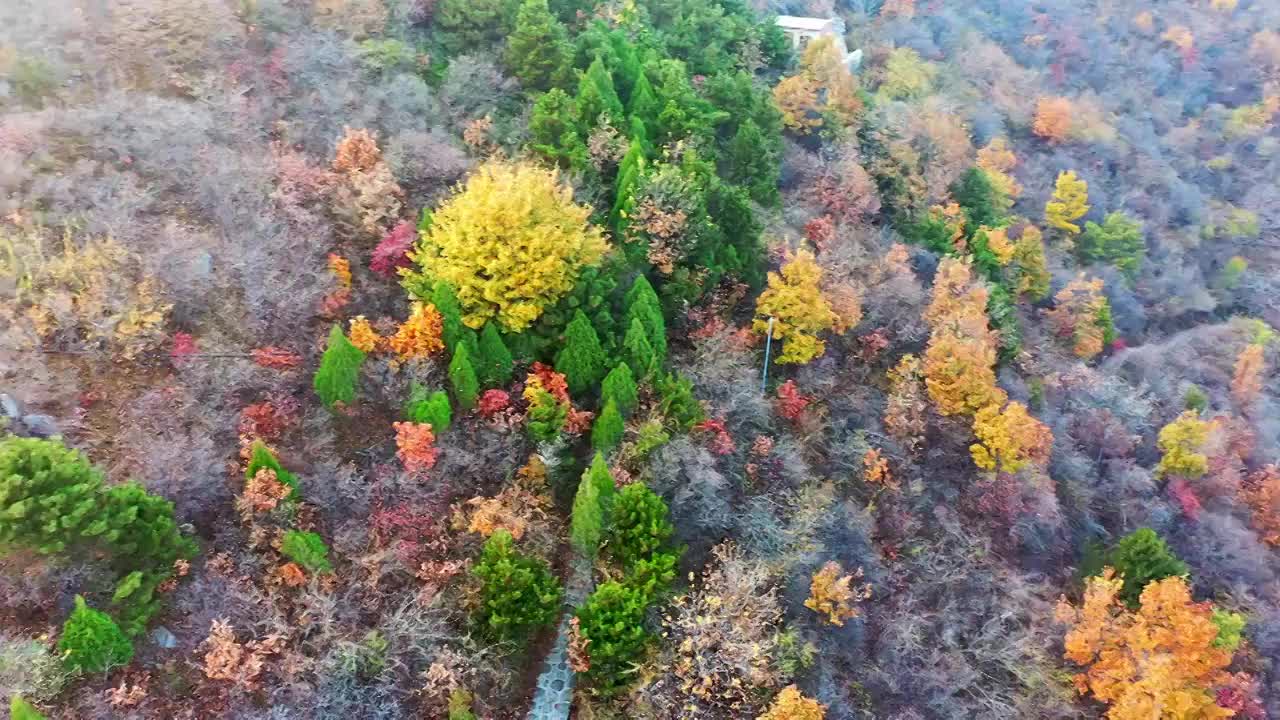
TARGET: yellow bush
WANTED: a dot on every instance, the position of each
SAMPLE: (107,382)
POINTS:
(511,242)
(794,299)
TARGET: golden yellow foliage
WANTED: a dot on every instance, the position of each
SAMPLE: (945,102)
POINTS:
(1075,315)
(999,244)
(420,335)
(834,595)
(1145,22)
(1180,36)
(823,63)
(907,75)
(1069,203)
(362,335)
(1157,663)
(904,415)
(875,469)
(797,100)
(93,295)
(340,268)
(1246,381)
(998,161)
(794,299)
(511,242)
(1180,442)
(1009,439)
(959,363)
(791,704)
(1053,118)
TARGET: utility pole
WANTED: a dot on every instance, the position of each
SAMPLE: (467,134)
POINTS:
(768,346)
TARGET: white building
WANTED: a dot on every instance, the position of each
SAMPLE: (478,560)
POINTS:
(804,30)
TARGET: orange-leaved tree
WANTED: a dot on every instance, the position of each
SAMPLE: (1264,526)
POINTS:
(795,301)
(797,100)
(1053,119)
(959,363)
(1161,661)
(1082,315)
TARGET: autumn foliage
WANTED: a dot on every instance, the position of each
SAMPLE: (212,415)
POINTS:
(1069,203)
(1009,439)
(834,595)
(415,446)
(1158,662)
(794,299)
(1053,119)
(510,242)
(420,335)
(791,704)
(959,363)
(1078,315)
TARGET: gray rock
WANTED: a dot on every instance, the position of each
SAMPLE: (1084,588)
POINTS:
(41,426)
(163,638)
(10,406)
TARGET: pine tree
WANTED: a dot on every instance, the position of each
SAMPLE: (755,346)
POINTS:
(644,103)
(260,456)
(339,371)
(1142,557)
(608,428)
(307,549)
(597,96)
(553,130)
(638,352)
(979,199)
(628,179)
(496,363)
(642,302)
(462,377)
(1118,241)
(92,642)
(590,507)
(749,163)
(581,360)
(612,620)
(446,302)
(538,52)
(48,495)
(518,593)
(620,386)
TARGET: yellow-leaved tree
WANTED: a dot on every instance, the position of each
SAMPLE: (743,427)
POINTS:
(959,364)
(1180,443)
(1157,663)
(511,242)
(1070,202)
(1009,439)
(795,301)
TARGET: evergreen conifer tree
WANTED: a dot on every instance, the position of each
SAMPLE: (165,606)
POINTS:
(608,428)
(581,360)
(642,302)
(643,103)
(446,302)
(518,593)
(1142,557)
(462,376)
(432,408)
(339,371)
(620,386)
(496,363)
(538,51)
(638,352)
(587,521)
(92,642)
(597,96)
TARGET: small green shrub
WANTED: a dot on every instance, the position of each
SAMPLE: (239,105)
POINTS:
(518,595)
(608,428)
(339,371)
(429,407)
(307,549)
(462,377)
(678,402)
(1230,629)
(620,387)
(496,363)
(1143,557)
(92,642)
(612,620)
(546,417)
(639,526)
(1195,399)
(460,705)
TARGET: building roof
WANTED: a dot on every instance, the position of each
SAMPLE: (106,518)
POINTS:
(792,22)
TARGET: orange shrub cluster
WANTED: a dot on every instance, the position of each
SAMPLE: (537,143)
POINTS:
(1075,315)
(1158,662)
(1053,119)
(420,335)
(363,336)
(1262,495)
(415,446)
(1246,381)
(834,595)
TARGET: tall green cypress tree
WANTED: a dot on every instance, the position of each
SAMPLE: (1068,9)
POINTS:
(750,164)
(642,303)
(446,302)
(92,642)
(462,376)
(644,102)
(339,371)
(608,428)
(538,51)
(628,178)
(620,386)
(581,360)
(587,522)
(597,96)
(638,352)
(496,363)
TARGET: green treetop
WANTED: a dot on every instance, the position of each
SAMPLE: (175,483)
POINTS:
(1118,241)
(582,359)
(462,377)
(1143,557)
(92,642)
(620,386)
(339,371)
(538,52)
(518,593)
(637,351)
(597,96)
(496,363)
